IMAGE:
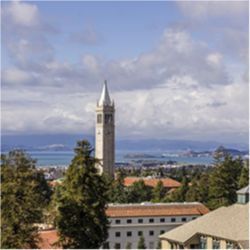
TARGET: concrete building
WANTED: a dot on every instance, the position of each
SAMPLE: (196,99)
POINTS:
(223,228)
(128,222)
(105,133)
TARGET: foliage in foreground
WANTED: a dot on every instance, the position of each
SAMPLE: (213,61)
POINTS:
(24,194)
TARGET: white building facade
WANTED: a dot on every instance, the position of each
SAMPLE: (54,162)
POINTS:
(131,221)
(105,133)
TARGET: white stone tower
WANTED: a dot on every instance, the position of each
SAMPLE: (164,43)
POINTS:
(105,133)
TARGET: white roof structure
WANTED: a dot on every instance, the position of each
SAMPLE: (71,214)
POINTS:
(244,190)
(104,99)
(226,222)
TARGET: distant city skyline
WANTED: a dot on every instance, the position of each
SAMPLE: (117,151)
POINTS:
(176,70)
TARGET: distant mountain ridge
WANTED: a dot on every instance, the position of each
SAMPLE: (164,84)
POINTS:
(62,142)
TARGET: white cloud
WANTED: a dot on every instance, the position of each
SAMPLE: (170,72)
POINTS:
(21,13)
(214,59)
(207,9)
(15,76)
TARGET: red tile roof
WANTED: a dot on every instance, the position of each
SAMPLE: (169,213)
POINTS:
(47,238)
(152,182)
(167,209)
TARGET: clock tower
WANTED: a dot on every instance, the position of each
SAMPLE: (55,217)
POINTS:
(105,133)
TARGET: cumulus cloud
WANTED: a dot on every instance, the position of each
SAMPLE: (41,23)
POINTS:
(182,88)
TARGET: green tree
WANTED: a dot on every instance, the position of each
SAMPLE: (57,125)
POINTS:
(179,195)
(81,219)
(139,192)
(158,192)
(24,194)
(244,176)
(158,244)
(223,182)
(141,243)
(128,245)
(117,191)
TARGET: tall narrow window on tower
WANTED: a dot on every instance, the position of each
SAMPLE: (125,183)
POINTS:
(105,133)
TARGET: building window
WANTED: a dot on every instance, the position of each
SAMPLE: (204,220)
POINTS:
(129,234)
(151,220)
(99,118)
(117,246)
(151,245)
(183,219)
(216,244)
(140,233)
(203,242)
(162,232)
(117,221)
(193,218)
(117,234)
(129,221)
(151,233)
(173,219)
(162,220)
(140,220)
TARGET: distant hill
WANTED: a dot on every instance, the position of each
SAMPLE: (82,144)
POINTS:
(63,142)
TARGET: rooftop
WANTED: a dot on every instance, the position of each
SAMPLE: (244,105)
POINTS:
(152,182)
(104,99)
(47,239)
(229,223)
(244,190)
(156,209)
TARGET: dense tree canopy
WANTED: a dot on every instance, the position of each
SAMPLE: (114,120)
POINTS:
(24,193)
(81,219)
(223,181)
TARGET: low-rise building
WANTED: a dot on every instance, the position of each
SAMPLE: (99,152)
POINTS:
(128,222)
(168,183)
(223,228)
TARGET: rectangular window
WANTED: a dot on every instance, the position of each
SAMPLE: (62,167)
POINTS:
(173,219)
(203,242)
(129,221)
(216,244)
(117,221)
(129,234)
(140,220)
(183,219)
(162,220)
(117,234)
(151,220)
(193,218)
(230,245)
(151,245)
(151,233)
(117,246)
(99,118)
(140,233)
(162,232)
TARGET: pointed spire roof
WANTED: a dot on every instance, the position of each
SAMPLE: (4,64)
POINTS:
(104,99)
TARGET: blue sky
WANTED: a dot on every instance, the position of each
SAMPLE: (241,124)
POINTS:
(176,70)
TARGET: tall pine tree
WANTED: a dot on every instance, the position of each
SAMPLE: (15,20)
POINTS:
(223,181)
(81,219)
